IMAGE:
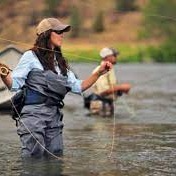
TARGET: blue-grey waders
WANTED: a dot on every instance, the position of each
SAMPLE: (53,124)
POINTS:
(41,116)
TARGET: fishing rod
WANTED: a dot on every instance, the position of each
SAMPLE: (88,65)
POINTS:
(4,71)
(30,46)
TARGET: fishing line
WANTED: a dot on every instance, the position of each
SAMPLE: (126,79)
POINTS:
(28,45)
(30,132)
(113,135)
(130,110)
(18,113)
(114,118)
(22,43)
(162,16)
(114,125)
(124,102)
(127,107)
(120,12)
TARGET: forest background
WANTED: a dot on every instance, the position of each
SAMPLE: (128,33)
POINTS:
(142,30)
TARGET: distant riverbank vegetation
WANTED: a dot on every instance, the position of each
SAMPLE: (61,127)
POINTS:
(160,22)
(142,30)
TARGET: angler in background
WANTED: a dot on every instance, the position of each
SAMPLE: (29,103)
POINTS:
(44,77)
(106,89)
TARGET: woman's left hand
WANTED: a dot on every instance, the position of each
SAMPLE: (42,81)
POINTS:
(4,69)
(105,66)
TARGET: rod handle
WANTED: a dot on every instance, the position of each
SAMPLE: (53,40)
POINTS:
(4,71)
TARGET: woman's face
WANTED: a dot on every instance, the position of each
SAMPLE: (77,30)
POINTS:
(56,38)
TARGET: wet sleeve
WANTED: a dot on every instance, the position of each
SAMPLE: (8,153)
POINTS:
(74,83)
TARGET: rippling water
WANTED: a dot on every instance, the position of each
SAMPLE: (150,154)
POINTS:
(144,131)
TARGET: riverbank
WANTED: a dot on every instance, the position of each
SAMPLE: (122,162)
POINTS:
(90,53)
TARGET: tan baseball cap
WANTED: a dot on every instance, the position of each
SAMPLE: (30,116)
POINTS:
(51,23)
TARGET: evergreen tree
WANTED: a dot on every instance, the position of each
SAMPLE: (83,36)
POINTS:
(33,18)
(75,22)
(98,25)
(160,22)
(125,5)
(51,7)
(160,18)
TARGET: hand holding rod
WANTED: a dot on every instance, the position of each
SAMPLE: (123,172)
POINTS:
(4,69)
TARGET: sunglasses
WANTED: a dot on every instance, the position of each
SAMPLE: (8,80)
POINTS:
(58,32)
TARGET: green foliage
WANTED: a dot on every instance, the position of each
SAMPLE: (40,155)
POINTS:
(51,6)
(160,22)
(135,58)
(128,53)
(75,22)
(125,5)
(160,18)
(98,25)
(4,1)
(83,55)
(165,53)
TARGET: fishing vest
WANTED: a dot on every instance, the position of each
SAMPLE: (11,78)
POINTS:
(40,87)
(45,87)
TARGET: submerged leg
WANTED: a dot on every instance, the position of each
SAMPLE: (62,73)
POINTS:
(32,147)
(54,141)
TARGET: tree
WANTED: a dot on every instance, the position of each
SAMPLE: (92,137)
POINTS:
(51,7)
(98,25)
(159,18)
(125,5)
(2,1)
(33,18)
(159,21)
(75,22)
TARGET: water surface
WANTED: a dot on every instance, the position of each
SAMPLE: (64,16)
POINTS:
(144,131)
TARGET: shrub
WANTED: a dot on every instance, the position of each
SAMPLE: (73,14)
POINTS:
(165,53)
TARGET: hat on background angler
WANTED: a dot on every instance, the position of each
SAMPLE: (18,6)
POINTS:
(108,52)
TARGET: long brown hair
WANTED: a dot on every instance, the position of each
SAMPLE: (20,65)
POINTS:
(44,52)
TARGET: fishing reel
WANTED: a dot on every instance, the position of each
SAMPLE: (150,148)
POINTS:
(4,70)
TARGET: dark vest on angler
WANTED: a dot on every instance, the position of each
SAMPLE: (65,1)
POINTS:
(41,87)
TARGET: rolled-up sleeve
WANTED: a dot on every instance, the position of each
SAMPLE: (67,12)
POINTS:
(74,83)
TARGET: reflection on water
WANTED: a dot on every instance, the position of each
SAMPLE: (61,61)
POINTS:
(144,143)
(43,167)
(138,150)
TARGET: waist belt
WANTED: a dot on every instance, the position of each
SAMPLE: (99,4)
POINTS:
(35,97)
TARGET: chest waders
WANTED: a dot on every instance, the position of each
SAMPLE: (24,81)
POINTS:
(41,113)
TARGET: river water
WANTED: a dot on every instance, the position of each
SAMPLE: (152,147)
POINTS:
(139,140)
